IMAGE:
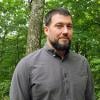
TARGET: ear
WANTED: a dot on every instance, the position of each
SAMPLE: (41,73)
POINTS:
(46,30)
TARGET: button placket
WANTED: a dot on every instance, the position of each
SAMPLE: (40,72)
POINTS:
(67,86)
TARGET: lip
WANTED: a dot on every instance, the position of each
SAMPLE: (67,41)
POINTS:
(64,38)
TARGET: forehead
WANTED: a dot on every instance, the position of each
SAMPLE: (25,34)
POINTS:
(58,18)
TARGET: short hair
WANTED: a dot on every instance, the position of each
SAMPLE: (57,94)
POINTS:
(61,11)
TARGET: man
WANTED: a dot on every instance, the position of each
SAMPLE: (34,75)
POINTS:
(53,72)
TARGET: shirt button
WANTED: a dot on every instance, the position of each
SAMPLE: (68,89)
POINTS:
(54,55)
(65,75)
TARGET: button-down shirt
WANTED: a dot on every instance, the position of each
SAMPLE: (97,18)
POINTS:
(43,75)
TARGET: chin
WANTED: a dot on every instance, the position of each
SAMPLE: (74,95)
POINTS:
(64,43)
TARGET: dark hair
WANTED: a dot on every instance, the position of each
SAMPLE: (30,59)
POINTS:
(52,12)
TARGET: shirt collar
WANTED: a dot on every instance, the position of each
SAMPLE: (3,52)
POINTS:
(52,51)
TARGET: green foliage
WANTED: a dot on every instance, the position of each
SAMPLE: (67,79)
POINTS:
(4,90)
(14,16)
(13,34)
(95,63)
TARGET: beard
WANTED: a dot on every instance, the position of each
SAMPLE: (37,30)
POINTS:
(61,47)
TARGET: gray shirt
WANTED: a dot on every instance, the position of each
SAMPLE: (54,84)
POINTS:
(43,75)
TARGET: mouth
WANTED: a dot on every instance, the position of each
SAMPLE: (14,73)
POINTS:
(64,39)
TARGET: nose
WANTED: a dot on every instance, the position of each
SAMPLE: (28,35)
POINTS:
(65,30)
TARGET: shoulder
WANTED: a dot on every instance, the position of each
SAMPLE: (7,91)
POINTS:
(27,62)
(77,57)
(79,61)
(32,56)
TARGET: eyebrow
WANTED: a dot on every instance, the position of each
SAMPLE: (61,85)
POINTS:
(59,23)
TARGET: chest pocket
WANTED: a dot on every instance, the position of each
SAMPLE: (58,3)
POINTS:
(45,79)
(78,84)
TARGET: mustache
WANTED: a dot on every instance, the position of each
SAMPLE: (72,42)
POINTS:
(64,38)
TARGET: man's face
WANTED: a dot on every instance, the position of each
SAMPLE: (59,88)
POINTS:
(59,32)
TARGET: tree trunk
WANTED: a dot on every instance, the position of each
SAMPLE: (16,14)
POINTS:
(35,26)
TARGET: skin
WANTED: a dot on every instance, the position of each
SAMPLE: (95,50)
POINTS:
(60,30)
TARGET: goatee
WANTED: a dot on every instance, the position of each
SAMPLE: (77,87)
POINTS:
(61,47)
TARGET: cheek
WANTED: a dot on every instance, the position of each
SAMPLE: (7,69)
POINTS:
(70,35)
(54,34)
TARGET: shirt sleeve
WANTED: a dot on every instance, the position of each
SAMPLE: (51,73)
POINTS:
(89,93)
(19,89)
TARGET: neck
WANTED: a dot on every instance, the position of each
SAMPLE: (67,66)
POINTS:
(59,52)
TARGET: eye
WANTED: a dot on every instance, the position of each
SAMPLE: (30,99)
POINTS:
(69,26)
(59,26)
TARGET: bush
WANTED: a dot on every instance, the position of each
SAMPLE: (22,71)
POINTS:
(4,90)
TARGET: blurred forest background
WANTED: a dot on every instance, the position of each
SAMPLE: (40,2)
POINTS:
(14,24)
